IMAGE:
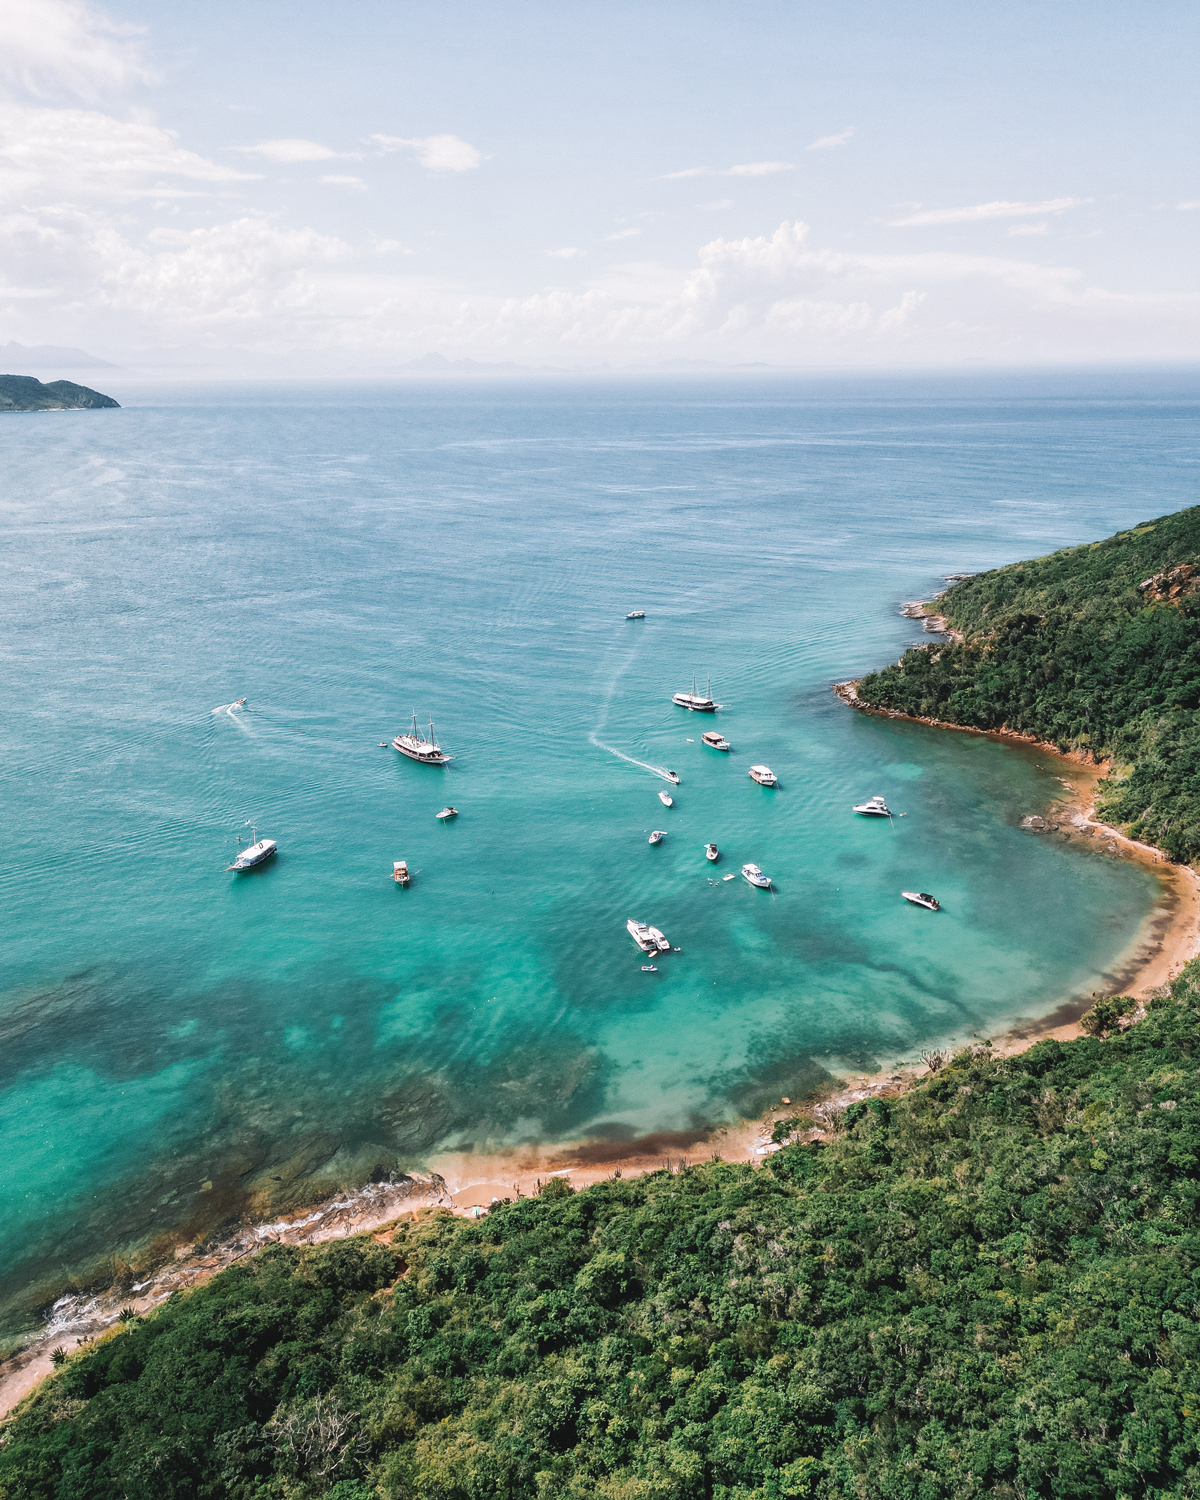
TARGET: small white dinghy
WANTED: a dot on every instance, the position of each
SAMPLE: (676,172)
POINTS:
(666,799)
(447,813)
(255,853)
(657,836)
(763,775)
(636,614)
(875,808)
(712,853)
(756,877)
(922,898)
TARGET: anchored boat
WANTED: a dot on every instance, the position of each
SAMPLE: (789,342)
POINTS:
(657,836)
(254,853)
(417,747)
(666,799)
(712,853)
(715,740)
(696,702)
(447,813)
(875,808)
(763,775)
(922,898)
(756,877)
(649,939)
(400,871)
(636,614)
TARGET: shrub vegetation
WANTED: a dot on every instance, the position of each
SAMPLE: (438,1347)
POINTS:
(987,1286)
(1070,649)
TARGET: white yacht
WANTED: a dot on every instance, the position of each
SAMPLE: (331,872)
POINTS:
(763,775)
(712,853)
(636,614)
(417,747)
(756,877)
(696,702)
(447,813)
(649,939)
(672,776)
(255,852)
(715,740)
(657,835)
(666,799)
(400,871)
(922,898)
(875,808)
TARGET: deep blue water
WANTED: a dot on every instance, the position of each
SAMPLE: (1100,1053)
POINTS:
(172,1036)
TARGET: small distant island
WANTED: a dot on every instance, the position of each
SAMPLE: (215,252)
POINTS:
(26,393)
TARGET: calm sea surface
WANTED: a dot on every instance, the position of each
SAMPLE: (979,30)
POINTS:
(172,1036)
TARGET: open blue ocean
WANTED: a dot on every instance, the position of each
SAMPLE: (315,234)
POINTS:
(173,1037)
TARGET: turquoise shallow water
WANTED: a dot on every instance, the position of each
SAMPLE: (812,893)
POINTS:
(341,556)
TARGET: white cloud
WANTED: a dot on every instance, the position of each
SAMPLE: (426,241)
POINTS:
(568,252)
(758,169)
(48,46)
(436,153)
(624,234)
(291,150)
(824,142)
(1017,230)
(1190,203)
(982,211)
(687,172)
(351,182)
(77,153)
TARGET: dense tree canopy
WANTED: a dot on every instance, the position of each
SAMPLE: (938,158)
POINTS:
(1072,649)
(989,1285)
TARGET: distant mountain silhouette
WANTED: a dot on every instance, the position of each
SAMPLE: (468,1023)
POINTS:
(50,357)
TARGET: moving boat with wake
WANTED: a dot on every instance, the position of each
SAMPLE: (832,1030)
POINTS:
(417,747)
(696,702)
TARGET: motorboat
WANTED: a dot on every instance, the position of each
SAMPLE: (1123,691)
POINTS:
(255,853)
(649,968)
(728,877)
(672,776)
(875,808)
(400,871)
(657,836)
(447,813)
(649,939)
(756,877)
(922,898)
(697,702)
(715,740)
(763,775)
(666,799)
(414,744)
(636,614)
(711,852)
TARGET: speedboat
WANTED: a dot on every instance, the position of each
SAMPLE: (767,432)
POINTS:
(255,852)
(400,871)
(756,877)
(649,939)
(636,614)
(763,775)
(922,898)
(672,776)
(875,808)
(657,836)
(727,877)
(711,852)
(417,747)
(715,740)
(700,703)
(447,813)
(666,799)
(649,968)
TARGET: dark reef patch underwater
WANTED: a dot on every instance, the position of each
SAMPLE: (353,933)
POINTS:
(987,1286)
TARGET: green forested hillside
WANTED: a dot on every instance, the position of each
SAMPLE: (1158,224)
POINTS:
(1069,648)
(989,1286)
(27,393)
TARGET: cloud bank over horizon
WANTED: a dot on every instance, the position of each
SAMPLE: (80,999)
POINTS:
(143,236)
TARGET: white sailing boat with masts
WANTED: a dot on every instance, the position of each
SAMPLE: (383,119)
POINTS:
(417,747)
(696,702)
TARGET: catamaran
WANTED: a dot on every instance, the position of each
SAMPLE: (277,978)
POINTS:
(255,852)
(695,702)
(417,747)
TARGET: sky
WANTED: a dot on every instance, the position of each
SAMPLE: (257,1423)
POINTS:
(311,188)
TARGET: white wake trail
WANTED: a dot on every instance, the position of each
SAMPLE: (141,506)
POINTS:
(594,737)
